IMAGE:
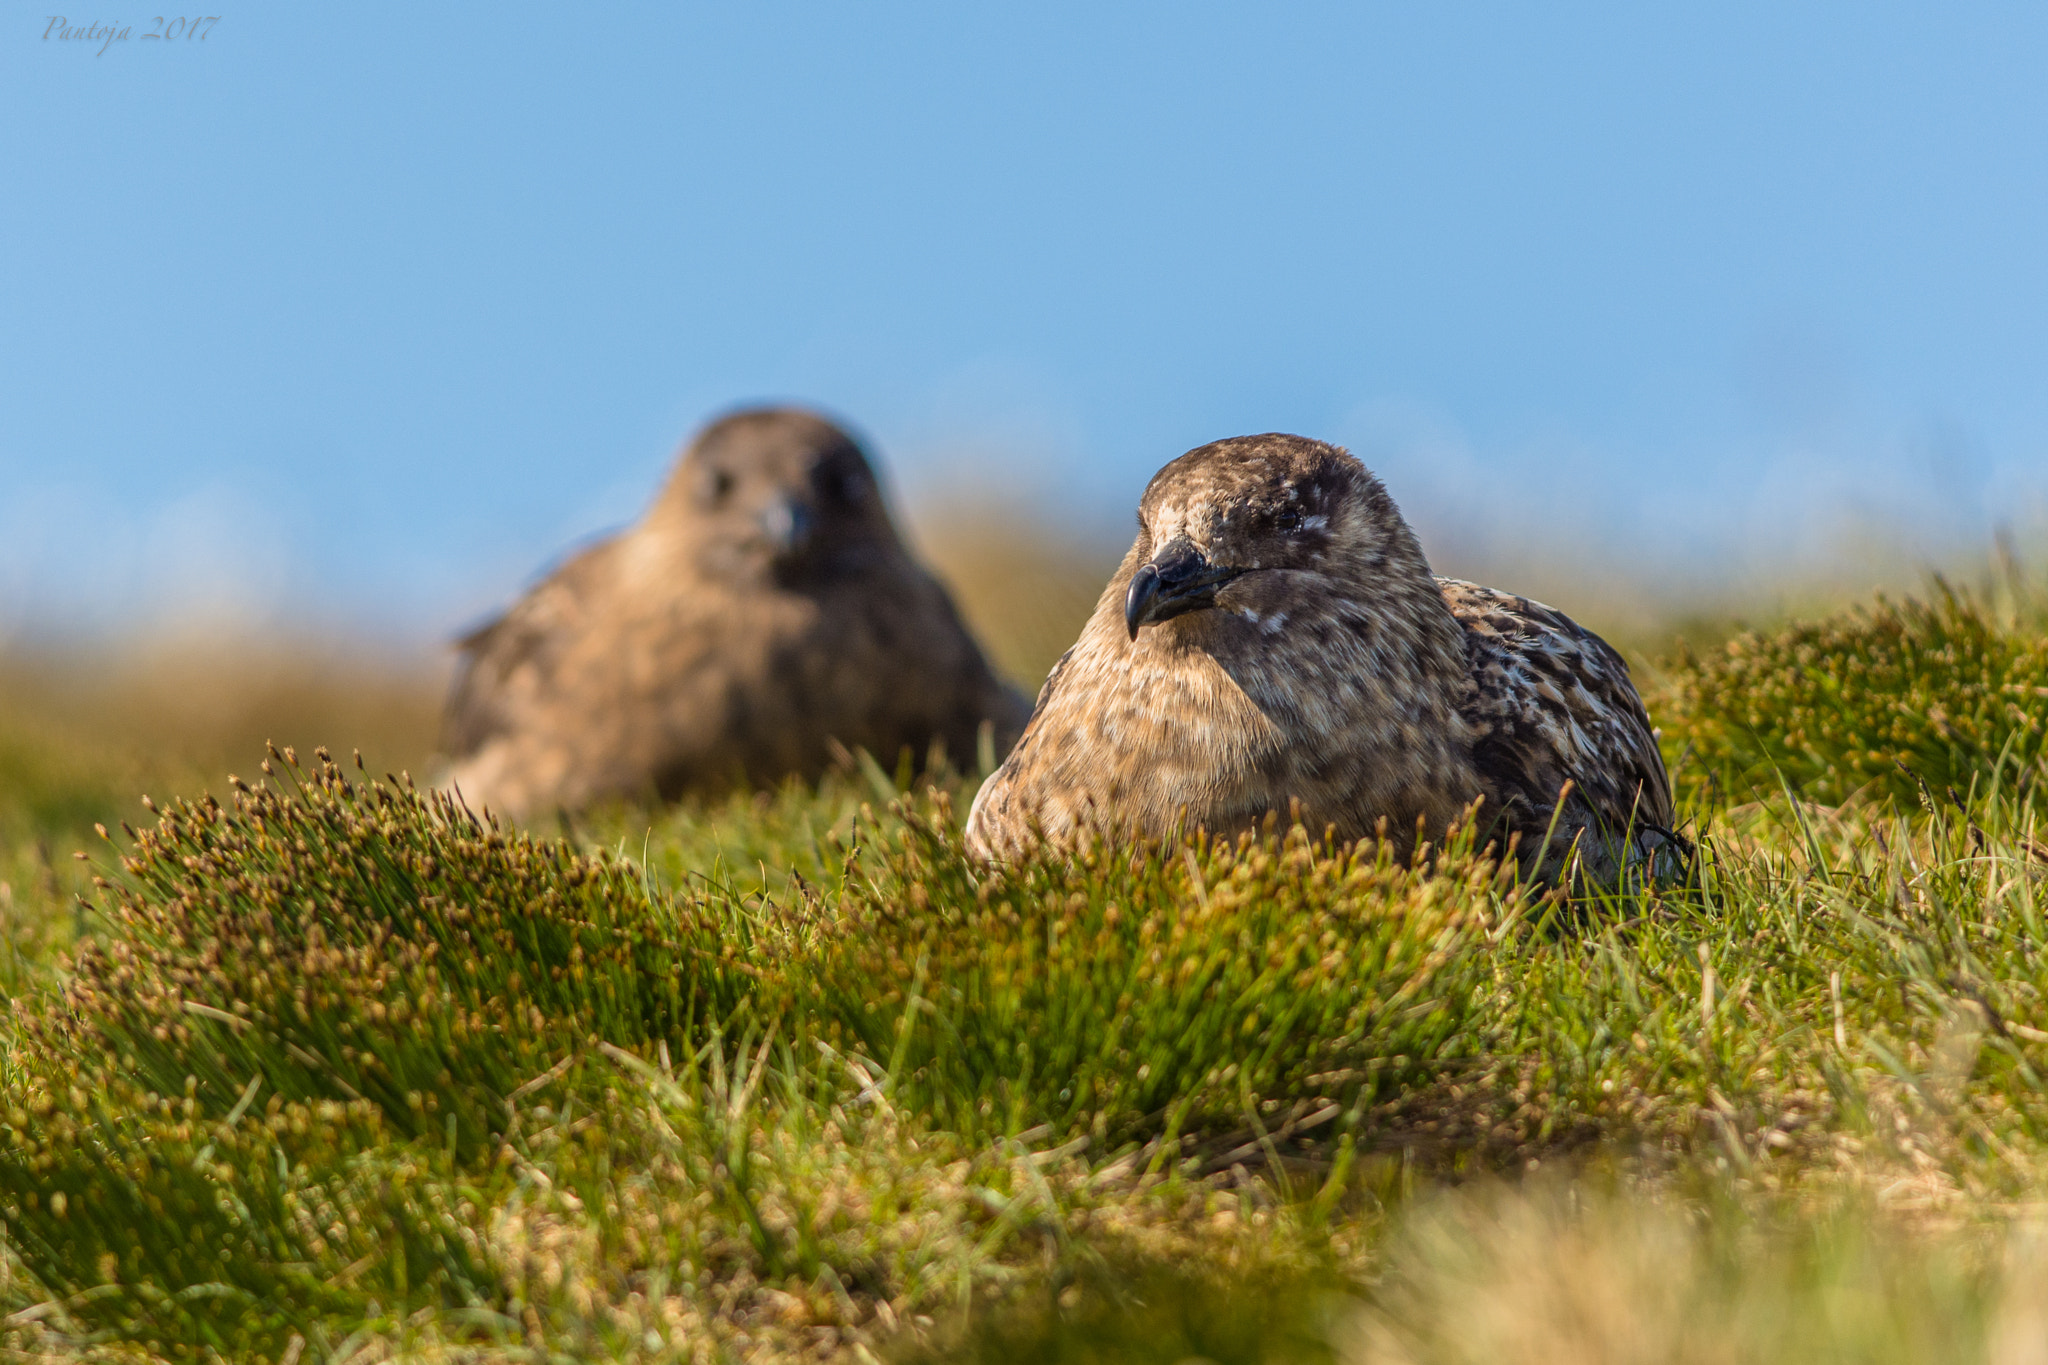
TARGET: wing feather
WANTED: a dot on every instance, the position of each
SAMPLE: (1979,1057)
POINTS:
(508,665)
(1550,702)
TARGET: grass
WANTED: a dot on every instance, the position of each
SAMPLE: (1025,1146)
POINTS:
(339,1072)
(1886,699)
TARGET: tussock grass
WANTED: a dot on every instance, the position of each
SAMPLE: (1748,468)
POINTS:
(396,976)
(1120,991)
(1877,699)
(86,731)
(364,941)
(342,1071)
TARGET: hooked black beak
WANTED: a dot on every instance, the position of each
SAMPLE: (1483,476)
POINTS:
(786,523)
(1178,579)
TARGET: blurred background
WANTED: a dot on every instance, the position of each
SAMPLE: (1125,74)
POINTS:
(323,334)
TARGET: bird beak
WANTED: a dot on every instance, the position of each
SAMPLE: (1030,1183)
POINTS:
(786,522)
(1178,579)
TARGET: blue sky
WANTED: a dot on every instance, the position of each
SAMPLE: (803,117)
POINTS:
(366,312)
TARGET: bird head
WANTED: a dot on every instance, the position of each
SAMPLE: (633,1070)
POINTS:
(1257,527)
(779,492)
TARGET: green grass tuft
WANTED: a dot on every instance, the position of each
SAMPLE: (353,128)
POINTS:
(354,940)
(1129,991)
(1876,700)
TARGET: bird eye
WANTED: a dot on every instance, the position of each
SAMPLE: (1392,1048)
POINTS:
(844,486)
(713,486)
(1289,521)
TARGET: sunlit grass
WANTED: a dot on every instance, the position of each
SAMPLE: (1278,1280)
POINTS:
(1892,699)
(343,1072)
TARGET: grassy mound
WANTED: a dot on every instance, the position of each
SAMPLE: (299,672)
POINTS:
(341,1072)
(1121,993)
(328,1004)
(85,732)
(1877,699)
(360,941)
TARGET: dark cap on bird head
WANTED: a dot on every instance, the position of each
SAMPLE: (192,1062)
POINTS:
(1266,505)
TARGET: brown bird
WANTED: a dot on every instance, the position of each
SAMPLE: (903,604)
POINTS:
(762,612)
(1275,636)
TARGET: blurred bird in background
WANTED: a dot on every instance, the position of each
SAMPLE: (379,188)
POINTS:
(762,613)
(1274,636)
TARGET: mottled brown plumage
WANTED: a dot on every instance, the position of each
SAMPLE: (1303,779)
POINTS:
(761,611)
(1275,636)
